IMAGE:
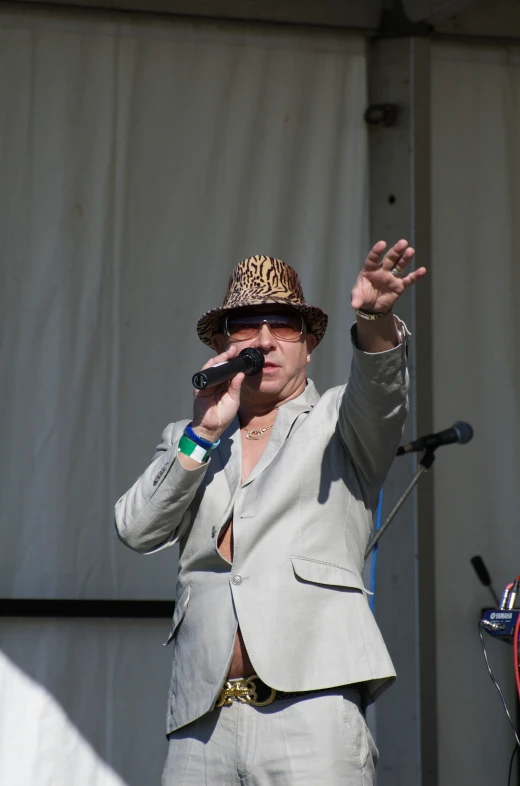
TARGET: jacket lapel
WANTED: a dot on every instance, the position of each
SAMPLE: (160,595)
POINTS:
(230,454)
(285,420)
(230,448)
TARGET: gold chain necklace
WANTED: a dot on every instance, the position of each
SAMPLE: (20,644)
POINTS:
(257,433)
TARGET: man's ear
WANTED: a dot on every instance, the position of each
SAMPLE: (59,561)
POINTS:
(310,339)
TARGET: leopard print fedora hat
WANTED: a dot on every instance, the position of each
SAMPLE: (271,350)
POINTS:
(257,281)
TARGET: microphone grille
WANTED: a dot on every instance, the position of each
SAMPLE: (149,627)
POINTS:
(464,432)
(256,357)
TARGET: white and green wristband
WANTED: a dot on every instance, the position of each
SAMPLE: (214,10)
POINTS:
(189,448)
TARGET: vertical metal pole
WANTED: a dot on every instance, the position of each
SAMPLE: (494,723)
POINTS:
(406,722)
(420,59)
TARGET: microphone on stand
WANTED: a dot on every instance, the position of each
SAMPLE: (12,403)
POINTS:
(250,361)
(460,432)
(483,575)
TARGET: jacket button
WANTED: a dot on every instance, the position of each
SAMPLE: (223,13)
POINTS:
(237,579)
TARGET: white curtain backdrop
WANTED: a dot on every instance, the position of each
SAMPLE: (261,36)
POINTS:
(140,159)
(139,162)
(476,278)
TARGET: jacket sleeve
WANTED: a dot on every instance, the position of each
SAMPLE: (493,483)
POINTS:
(154,513)
(373,406)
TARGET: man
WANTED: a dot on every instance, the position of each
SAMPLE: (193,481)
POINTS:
(271,490)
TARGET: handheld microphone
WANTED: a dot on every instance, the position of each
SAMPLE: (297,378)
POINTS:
(250,361)
(460,432)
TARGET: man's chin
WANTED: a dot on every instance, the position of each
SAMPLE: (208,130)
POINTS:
(263,386)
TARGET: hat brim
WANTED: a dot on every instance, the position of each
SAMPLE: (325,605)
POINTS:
(210,323)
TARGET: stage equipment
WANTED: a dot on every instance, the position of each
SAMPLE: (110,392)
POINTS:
(250,361)
(460,432)
(502,623)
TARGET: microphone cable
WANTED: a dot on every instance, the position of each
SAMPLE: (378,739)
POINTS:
(515,751)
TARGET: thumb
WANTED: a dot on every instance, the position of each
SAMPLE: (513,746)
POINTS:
(236,384)
(356,298)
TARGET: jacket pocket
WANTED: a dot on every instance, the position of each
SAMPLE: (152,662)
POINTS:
(319,572)
(178,614)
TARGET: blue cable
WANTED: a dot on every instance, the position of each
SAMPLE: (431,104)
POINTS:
(379,510)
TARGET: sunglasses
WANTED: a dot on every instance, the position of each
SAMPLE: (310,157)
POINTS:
(284,326)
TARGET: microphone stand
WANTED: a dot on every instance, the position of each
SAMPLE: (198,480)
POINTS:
(424,465)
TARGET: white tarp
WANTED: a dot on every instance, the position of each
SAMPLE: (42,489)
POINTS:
(82,702)
(139,161)
(476,279)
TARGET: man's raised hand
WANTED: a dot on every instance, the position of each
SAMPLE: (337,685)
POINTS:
(377,288)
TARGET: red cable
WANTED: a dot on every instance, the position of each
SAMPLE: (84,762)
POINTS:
(515,654)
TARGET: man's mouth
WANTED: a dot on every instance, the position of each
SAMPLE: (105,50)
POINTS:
(269,366)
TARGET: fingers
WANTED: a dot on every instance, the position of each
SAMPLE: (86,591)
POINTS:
(399,256)
(374,255)
(414,276)
(235,384)
(229,353)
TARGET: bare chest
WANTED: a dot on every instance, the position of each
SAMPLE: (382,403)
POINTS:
(252,451)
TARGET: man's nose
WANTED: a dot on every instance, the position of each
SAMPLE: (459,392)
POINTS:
(265,339)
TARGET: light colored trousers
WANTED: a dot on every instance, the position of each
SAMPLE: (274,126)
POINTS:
(319,740)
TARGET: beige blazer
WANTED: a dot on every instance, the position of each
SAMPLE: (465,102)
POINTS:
(301,523)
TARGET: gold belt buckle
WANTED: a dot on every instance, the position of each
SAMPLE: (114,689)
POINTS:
(244,691)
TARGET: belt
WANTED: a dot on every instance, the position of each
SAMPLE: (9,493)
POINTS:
(251,690)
